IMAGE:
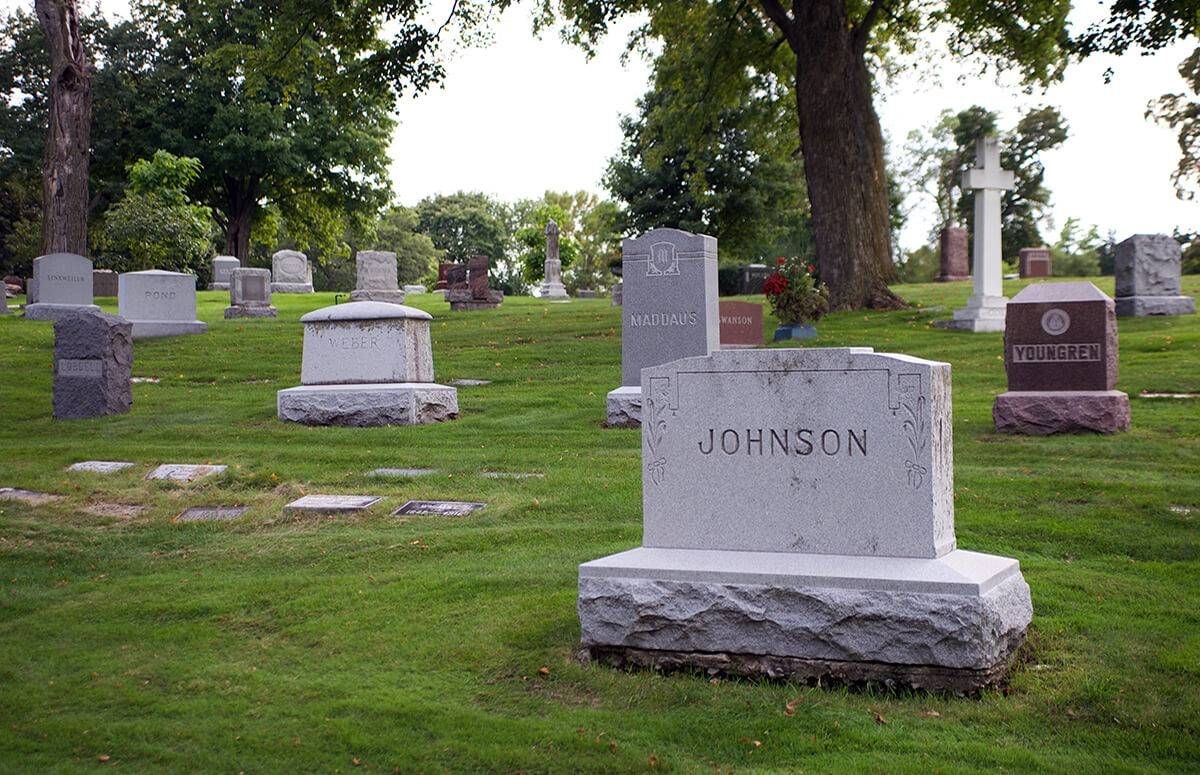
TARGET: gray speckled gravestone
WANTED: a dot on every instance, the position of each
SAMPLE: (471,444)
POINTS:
(376,277)
(93,358)
(669,310)
(332,504)
(1147,268)
(798,521)
(100,466)
(250,294)
(61,285)
(184,472)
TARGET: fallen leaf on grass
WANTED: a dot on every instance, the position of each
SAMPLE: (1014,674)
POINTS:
(543,670)
(930,713)
(355,761)
(879,719)
(652,761)
(103,758)
(790,708)
(612,745)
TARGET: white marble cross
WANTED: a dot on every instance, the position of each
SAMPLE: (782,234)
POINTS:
(988,181)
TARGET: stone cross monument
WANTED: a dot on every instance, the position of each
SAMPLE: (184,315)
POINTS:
(985,308)
(552,285)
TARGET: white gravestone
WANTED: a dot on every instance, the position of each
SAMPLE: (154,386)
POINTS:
(290,272)
(250,294)
(64,287)
(669,310)
(367,363)
(222,268)
(985,309)
(798,520)
(159,303)
(376,272)
(552,286)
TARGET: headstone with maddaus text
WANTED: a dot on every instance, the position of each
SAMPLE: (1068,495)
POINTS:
(669,310)
(93,361)
(61,285)
(159,303)
(250,294)
(367,363)
(798,522)
(1060,352)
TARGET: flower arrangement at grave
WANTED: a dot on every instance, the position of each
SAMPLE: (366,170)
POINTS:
(794,293)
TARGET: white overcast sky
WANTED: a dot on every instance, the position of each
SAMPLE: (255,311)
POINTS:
(525,115)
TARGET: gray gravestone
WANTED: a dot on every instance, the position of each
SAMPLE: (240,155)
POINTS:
(376,272)
(332,504)
(93,358)
(552,285)
(250,294)
(100,466)
(1147,268)
(290,272)
(184,472)
(669,310)
(222,268)
(367,363)
(61,285)
(159,303)
(1060,352)
(798,521)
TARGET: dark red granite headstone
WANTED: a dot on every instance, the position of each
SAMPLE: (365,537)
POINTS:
(953,254)
(1035,262)
(1061,336)
(741,324)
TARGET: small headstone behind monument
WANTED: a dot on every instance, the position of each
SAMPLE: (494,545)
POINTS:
(222,268)
(741,325)
(159,303)
(104,283)
(290,272)
(754,278)
(61,285)
(376,277)
(468,286)
(250,294)
(1147,268)
(1034,262)
(952,255)
(1060,352)
(93,358)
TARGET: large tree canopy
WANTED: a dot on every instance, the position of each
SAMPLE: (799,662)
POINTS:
(1182,112)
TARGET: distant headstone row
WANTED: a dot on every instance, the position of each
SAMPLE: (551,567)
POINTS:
(467,286)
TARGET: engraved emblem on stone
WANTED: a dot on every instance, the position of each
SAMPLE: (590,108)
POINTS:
(663,260)
(1056,322)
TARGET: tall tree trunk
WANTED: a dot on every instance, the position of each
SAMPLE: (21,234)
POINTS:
(843,152)
(68,139)
(241,197)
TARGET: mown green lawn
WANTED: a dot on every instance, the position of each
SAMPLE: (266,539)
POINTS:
(374,643)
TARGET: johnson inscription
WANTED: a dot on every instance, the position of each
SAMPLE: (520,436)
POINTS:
(767,442)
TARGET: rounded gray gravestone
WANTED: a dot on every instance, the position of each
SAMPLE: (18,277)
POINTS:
(367,363)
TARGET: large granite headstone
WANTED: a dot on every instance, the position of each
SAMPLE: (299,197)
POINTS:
(741,325)
(552,285)
(1060,352)
(1034,262)
(376,277)
(159,303)
(669,310)
(798,522)
(104,283)
(367,363)
(222,268)
(468,286)
(1147,268)
(953,256)
(985,307)
(250,294)
(93,361)
(61,285)
(290,272)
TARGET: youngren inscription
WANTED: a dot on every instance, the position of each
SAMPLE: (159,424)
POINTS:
(1056,353)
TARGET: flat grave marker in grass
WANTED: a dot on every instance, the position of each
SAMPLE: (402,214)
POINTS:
(28,496)
(184,472)
(512,475)
(100,466)
(332,504)
(438,508)
(211,513)
(469,382)
(401,473)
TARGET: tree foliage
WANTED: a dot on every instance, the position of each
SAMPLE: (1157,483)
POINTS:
(1182,113)
(397,230)
(530,237)
(465,224)
(1076,252)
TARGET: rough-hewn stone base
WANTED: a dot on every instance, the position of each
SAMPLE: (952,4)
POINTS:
(39,311)
(402,403)
(150,329)
(1041,413)
(1145,306)
(250,312)
(953,622)
(291,288)
(624,407)
(831,672)
(388,297)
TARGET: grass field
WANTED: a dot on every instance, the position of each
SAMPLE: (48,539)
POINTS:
(378,644)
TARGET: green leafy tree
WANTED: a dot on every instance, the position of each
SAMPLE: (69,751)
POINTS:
(531,241)
(1076,253)
(592,224)
(1182,113)
(464,225)
(398,230)
(155,225)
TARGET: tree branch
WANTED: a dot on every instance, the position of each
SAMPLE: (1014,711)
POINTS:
(778,15)
(862,30)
